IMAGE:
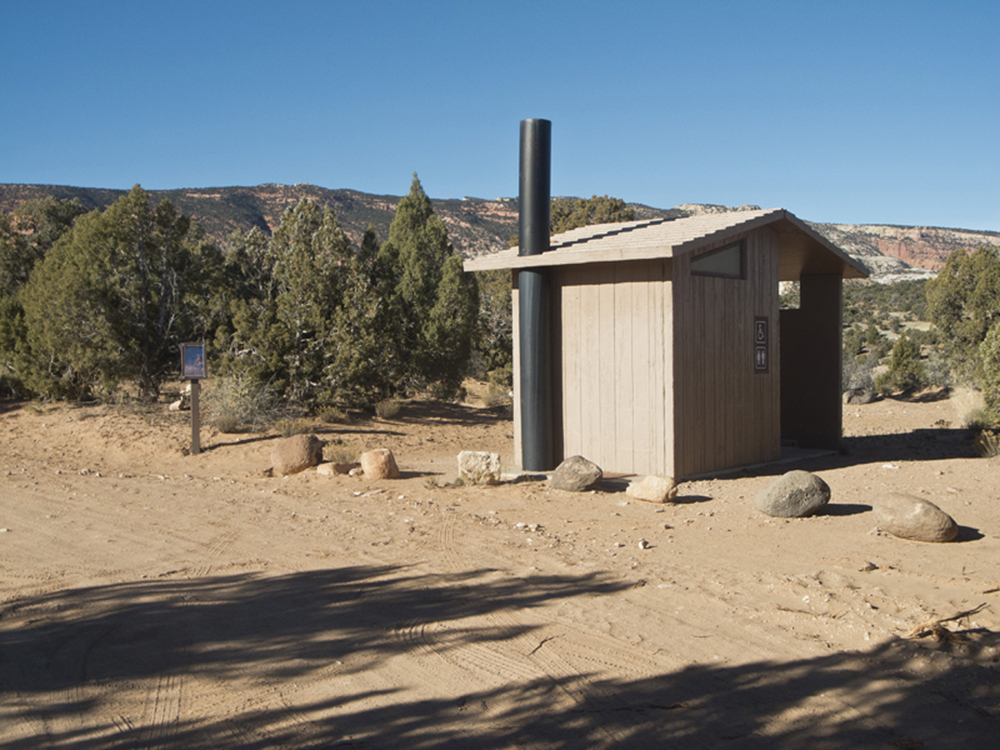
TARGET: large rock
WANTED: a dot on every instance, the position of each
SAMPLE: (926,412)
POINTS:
(653,489)
(295,454)
(914,518)
(576,474)
(794,495)
(379,464)
(859,396)
(479,467)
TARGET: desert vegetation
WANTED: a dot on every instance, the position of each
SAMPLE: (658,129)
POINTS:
(903,337)
(93,304)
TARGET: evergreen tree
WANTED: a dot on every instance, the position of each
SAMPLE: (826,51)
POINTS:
(288,290)
(419,250)
(366,365)
(570,213)
(110,302)
(964,303)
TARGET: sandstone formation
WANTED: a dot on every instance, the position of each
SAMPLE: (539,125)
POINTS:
(296,453)
(653,489)
(479,467)
(914,518)
(379,464)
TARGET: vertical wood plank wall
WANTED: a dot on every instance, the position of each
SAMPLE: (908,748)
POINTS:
(725,414)
(614,365)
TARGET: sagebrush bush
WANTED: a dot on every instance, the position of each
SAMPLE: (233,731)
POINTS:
(242,401)
(387,408)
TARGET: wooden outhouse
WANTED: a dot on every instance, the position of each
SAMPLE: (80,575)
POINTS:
(667,350)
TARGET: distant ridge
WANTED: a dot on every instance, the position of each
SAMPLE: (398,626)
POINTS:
(479,225)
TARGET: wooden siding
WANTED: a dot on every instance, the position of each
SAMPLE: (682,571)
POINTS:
(612,365)
(725,414)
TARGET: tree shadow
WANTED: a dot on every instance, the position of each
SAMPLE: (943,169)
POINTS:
(457,414)
(887,697)
(278,627)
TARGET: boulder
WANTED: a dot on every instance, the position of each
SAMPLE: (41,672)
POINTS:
(379,464)
(859,396)
(576,474)
(914,518)
(794,495)
(296,453)
(653,489)
(479,467)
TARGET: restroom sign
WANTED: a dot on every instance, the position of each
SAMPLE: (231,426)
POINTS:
(760,344)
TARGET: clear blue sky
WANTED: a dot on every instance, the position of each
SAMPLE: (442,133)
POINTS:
(853,112)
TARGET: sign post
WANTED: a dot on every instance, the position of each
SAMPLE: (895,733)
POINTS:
(193,368)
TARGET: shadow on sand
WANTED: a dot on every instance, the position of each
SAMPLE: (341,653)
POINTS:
(61,654)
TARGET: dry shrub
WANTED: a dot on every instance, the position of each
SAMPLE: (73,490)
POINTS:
(970,408)
(333,415)
(289,427)
(987,444)
(226,423)
(339,453)
(387,409)
(241,401)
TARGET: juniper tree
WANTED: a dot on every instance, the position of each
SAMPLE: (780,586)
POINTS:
(964,303)
(112,299)
(286,293)
(435,331)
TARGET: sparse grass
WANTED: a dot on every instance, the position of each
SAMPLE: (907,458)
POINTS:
(289,427)
(987,444)
(387,408)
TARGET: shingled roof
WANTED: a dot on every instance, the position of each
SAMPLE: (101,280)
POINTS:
(803,250)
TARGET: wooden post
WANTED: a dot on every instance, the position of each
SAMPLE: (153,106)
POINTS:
(195,419)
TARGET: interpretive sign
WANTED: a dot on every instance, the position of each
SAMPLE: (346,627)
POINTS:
(193,368)
(193,362)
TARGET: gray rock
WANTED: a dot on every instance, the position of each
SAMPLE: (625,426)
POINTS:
(653,489)
(794,495)
(914,518)
(576,474)
(296,453)
(859,396)
(479,467)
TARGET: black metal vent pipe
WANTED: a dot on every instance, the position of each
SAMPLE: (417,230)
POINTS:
(533,232)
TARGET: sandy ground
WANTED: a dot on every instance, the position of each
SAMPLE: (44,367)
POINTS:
(150,598)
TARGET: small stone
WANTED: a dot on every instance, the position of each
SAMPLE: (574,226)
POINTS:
(653,489)
(479,467)
(576,474)
(643,544)
(914,518)
(379,464)
(796,494)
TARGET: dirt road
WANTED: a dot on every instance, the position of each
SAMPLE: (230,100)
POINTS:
(151,599)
